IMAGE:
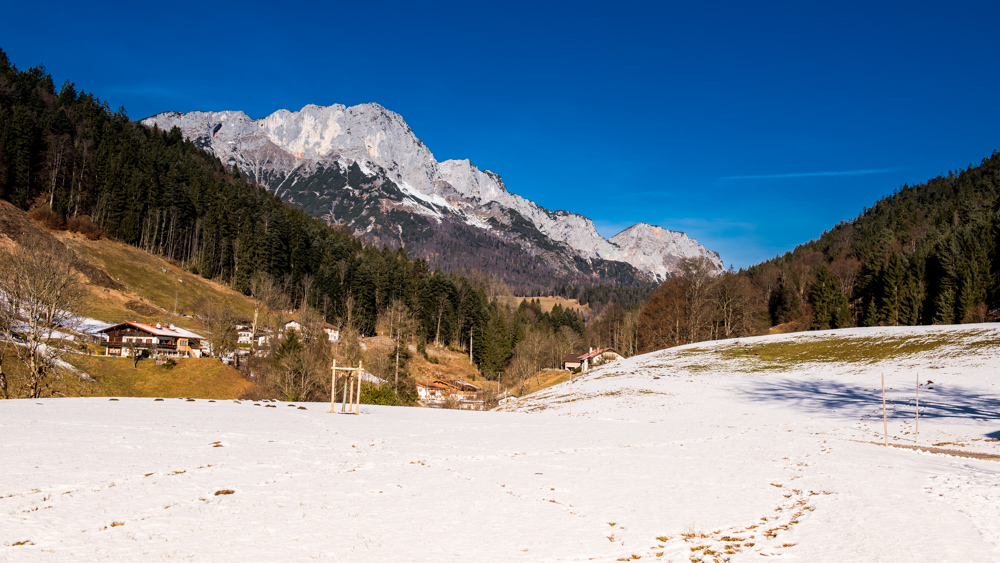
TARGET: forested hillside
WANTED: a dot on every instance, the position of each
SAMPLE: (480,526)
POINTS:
(75,164)
(927,254)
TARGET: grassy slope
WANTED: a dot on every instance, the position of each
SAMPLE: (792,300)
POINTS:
(200,378)
(830,347)
(547,378)
(548,303)
(151,285)
(445,363)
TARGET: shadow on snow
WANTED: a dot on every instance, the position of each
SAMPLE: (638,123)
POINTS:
(936,401)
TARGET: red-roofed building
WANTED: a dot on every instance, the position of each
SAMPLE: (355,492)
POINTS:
(590,359)
(437,392)
(133,338)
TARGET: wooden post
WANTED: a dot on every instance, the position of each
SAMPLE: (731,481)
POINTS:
(357,400)
(333,385)
(571,393)
(343,402)
(885,422)
(916,433)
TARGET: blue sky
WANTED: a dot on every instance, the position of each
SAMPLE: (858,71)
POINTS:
(753,127)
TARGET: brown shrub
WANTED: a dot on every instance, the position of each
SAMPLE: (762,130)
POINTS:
(83,225)
(257,392)
(141,308)
(977,314)
(49,219)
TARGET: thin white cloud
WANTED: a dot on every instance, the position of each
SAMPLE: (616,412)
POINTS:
(813,174)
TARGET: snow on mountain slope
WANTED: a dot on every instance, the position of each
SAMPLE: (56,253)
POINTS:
(729,451)
(287,149)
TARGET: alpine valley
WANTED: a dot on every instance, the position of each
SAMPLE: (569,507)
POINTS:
(362,166)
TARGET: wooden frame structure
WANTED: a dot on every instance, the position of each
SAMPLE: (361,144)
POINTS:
(351,403)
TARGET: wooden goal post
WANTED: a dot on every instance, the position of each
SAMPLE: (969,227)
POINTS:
(351,398)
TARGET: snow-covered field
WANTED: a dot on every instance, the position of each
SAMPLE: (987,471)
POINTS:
(723,450)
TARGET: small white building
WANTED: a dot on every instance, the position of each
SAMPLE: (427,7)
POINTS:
(247,337)
(332,332)
(590,359)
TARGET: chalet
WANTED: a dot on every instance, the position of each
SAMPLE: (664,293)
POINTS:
(245,336)
(128,338)
(332,332)
(590,359)
(436,392)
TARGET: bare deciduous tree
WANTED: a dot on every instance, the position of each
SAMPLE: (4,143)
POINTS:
(846,269)
(519,371)
(567,341)
(767,279)
(221,323)
(737,306)
(269,303)
(40,294)
(698,274)
(402,325)
(802,273)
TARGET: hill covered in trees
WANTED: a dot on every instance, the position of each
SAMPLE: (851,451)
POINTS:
(78,165)
(926,254)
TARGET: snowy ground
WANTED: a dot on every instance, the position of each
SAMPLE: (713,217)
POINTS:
(680,454)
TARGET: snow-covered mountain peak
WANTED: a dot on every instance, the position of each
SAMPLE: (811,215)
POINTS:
(286,149)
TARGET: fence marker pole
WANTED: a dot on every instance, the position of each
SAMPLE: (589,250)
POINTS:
(333,385)
(885,421)
(916,436)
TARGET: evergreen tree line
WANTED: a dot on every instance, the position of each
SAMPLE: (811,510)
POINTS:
(926,254)
(600,296)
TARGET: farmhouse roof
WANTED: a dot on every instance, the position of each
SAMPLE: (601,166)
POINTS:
(586,355)
(458,385)
(158,330)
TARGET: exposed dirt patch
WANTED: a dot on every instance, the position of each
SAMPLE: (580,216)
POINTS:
(946,451)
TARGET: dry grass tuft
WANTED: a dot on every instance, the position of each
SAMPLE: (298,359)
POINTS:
(204,378)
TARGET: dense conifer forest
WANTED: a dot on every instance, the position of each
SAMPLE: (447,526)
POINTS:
(926,254)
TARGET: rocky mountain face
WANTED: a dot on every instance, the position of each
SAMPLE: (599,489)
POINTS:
(363,166)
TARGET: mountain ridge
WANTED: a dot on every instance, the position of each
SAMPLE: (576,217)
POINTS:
(364,166)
